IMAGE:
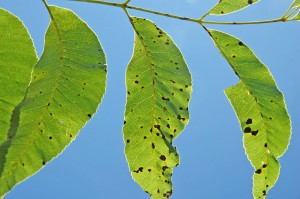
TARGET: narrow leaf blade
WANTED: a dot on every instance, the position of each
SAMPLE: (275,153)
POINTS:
(261,110)
(229,6)
(67,87)
(17,59)
(158,92)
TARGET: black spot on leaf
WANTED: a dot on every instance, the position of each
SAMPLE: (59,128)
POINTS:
(258,171)
(164,98)
(89,115)
(249,121)
(127,141)
(162,157)
(153,145)
(247,130)
(264,166)
(254,133)
(157,126)
(164,168)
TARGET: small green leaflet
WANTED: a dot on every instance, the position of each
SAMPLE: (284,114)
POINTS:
(296,3)
(17,56)
(67,86)
(297,17)
(228,6)
(158,92)
(261,110)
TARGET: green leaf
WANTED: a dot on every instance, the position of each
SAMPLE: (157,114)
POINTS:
(17,56)
(158,92)
(67,86)
(261,110)
(296,3)
(228,6)
(297,17)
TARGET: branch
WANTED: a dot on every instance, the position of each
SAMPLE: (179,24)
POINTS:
(199,21)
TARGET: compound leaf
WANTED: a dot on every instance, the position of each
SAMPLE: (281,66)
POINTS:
(67,86)
(261,110)
(228,6)
(158,92)
(17,59)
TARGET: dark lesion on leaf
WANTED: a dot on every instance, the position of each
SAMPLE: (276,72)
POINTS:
(249,121)
(162,157)
(241,43)
(254,133)
(180,118)
(258,171)
(139,170)
(247,130)
(165,98)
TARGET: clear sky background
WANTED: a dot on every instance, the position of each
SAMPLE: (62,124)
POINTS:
(213,162)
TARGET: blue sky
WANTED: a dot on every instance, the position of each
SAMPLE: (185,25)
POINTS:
(213,162)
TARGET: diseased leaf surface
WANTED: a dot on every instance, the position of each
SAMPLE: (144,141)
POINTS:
(158,92)
(67,86)
(17,58)
(228,6)
(261,110)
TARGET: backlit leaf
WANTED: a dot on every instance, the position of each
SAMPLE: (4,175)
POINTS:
(261,110)
(296,3)
(67,85)
(17,56)
(158,92)
(228,6)
(297,17)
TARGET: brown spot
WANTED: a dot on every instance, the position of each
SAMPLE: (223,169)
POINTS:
(258,171)
(153,145)
(162,157)
(247,130)
(254,133)
(264,165)
(249,121)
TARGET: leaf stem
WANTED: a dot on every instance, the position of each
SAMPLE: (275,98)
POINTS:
(199,21)
(246,22)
